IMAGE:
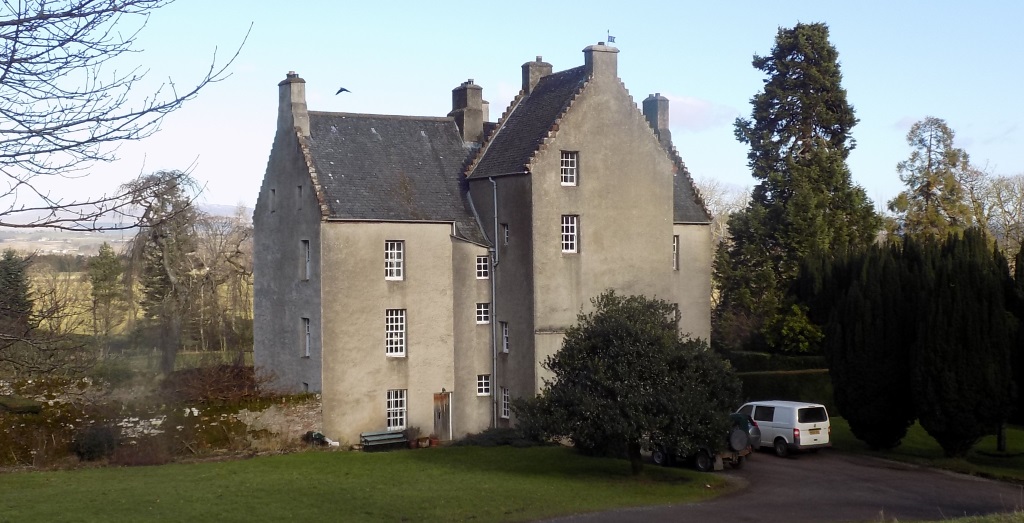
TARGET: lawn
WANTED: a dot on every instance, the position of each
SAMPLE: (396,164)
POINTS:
(444,484)
(918,447)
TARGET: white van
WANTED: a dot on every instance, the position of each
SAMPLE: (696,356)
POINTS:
(790,425)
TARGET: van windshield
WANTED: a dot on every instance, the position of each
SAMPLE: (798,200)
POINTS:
(812,415)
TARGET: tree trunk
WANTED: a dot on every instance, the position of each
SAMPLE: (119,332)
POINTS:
(636,462)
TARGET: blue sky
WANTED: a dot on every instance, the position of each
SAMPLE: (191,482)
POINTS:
(901,61)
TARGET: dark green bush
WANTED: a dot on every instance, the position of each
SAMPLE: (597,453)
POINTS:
(500,437)
(744,361)
(95,442)
(114,372)
(812,386)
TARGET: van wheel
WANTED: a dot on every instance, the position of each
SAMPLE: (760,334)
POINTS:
(703,461)
(659,457)
(781,449)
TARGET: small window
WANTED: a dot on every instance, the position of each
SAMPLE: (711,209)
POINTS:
(675,253)
(483,267)
(396,409)
(394,260)
(506,402)
(483,384)
(569,168)
(763,413)
(570,233)
(307,258)
(298,197)
(305,387)
(483,313)
(504,232)
(747,410)
(812,415)
(273,200)
(504,337)
(394,332)
(307,339)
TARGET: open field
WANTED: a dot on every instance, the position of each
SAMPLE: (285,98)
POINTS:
(442,484)
(919,448)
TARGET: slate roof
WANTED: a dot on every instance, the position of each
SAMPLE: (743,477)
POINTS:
(523,131)
(392,168)
(688,205)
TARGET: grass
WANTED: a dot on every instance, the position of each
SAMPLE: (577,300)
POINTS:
(1009,517)
(919,448)
(445,484)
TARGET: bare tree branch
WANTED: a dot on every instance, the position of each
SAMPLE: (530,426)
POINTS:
(62,111)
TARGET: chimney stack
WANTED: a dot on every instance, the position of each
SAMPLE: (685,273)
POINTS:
(600,60)
(291,105)
(656,112)
(468,110)
(533,72)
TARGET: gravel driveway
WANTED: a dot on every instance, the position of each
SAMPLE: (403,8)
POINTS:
(831,486)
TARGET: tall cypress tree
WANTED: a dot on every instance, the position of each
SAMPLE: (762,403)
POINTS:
(15,297)
(805,201)
(961,355)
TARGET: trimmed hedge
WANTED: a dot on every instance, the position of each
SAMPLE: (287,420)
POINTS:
(20,405)
(744,361)
(812,386)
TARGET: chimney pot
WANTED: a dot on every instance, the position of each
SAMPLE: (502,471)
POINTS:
(600,60)
(291,105)
(468,111)
(533,72)
(656,112)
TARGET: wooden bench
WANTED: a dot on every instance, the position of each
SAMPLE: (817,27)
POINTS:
(382,439)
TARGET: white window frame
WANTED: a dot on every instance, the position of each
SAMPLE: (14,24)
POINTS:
(504,232)
(675,252)
(483,267)
(506,401)
(483,384)
(307,264)
(307,338)
(504,337)
(570,233)
(569,168)
(394,333)
(397,409)
(394,260)
(483,313)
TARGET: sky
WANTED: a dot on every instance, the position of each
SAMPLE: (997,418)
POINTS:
(901,61)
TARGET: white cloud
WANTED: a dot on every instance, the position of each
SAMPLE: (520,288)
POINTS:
(687,113)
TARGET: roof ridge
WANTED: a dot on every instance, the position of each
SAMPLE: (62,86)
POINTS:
(388,116)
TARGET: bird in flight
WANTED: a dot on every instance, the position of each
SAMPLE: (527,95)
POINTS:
(343,90)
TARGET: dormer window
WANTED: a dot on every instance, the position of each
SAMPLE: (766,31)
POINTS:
(569,168)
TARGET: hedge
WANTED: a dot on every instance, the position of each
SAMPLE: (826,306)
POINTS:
(811,385)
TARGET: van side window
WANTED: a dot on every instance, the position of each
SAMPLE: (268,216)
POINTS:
(747,410)
(812,415)
(763,413)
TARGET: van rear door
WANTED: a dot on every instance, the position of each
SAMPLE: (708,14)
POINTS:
(813,424)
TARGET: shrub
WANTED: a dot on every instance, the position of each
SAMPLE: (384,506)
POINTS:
(812,386)
(113,372)
(143,452)
(220,384)
(498,437)
(95,442)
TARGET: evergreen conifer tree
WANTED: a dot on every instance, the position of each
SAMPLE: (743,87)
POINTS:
(805,201)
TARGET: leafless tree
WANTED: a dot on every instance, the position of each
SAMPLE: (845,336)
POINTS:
(1005,201)
(722,200)
(64,109)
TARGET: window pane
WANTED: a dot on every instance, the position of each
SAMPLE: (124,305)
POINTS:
(394,258)
(568,168)
(394,332)
(570,233)
(483,267)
